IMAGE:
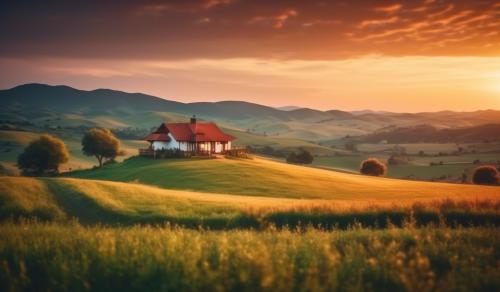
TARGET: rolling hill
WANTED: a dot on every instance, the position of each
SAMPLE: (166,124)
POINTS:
(223,193)
(265,178)
(52,106)
(430,134)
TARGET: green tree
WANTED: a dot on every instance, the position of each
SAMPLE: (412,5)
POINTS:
(373,166)
(486,175)
(101,143)
(43,156)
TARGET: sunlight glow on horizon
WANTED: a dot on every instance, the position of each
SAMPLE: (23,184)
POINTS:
(406,84)
(404,56)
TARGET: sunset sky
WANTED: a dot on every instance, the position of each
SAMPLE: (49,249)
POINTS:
(424,55)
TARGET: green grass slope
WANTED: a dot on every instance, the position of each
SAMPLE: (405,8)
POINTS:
(260,177)
(111,203)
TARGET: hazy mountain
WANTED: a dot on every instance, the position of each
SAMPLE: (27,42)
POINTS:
(70,100)
(62,105)
(288,108)
(362,112)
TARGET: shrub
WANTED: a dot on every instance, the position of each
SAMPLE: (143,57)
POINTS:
(373,166)
(291,158)
(396,159)
(267,150)
(43,156)
(237,153)
(172,153)
(303,157)
(486,175)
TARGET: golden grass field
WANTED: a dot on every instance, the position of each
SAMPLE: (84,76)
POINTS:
(244,225)
(99,201)
(262,177)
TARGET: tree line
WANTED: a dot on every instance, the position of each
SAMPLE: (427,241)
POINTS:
(44,155)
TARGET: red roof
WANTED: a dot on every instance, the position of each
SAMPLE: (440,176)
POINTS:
(191,132)
(157,137)
(161,134)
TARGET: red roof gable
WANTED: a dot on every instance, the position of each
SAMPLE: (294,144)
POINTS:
(190,132)
(157,137)
(161,134)
(198,132)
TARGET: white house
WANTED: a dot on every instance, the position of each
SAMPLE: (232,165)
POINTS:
(190,137)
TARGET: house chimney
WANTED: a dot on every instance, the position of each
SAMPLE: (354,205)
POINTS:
(193,119)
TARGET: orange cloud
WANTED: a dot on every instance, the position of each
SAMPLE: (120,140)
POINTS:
(460,15)
(376,22)
(212,3)
(244,28)
(442,27)
(280,19)
(389,9)
(442,12)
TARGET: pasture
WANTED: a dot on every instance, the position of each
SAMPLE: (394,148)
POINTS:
(418,167)
(244,225)
(262,177)
(72,257)
(105,202)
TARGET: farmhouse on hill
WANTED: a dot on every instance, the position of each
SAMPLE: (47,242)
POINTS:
(192,137)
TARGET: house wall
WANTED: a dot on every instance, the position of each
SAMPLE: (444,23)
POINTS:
(160,145)
(218,147)
(174,144)
(171,145)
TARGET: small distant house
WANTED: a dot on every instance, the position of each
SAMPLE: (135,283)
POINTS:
(192,137)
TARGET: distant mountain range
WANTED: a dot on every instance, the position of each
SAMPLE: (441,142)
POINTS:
(63,105)
(288,108)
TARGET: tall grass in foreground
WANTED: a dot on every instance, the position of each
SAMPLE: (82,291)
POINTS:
(35,256)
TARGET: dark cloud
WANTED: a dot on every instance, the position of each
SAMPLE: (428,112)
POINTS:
(244,28)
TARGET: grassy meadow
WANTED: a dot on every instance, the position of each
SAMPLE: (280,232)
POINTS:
(219,224)
(262,177)
(113,203)
(43,257)
(417,168)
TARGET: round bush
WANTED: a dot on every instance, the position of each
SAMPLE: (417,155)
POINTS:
(373,166)
(486,175)
(43,156)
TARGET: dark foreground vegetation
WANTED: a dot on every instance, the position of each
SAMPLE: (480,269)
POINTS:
(70,257)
